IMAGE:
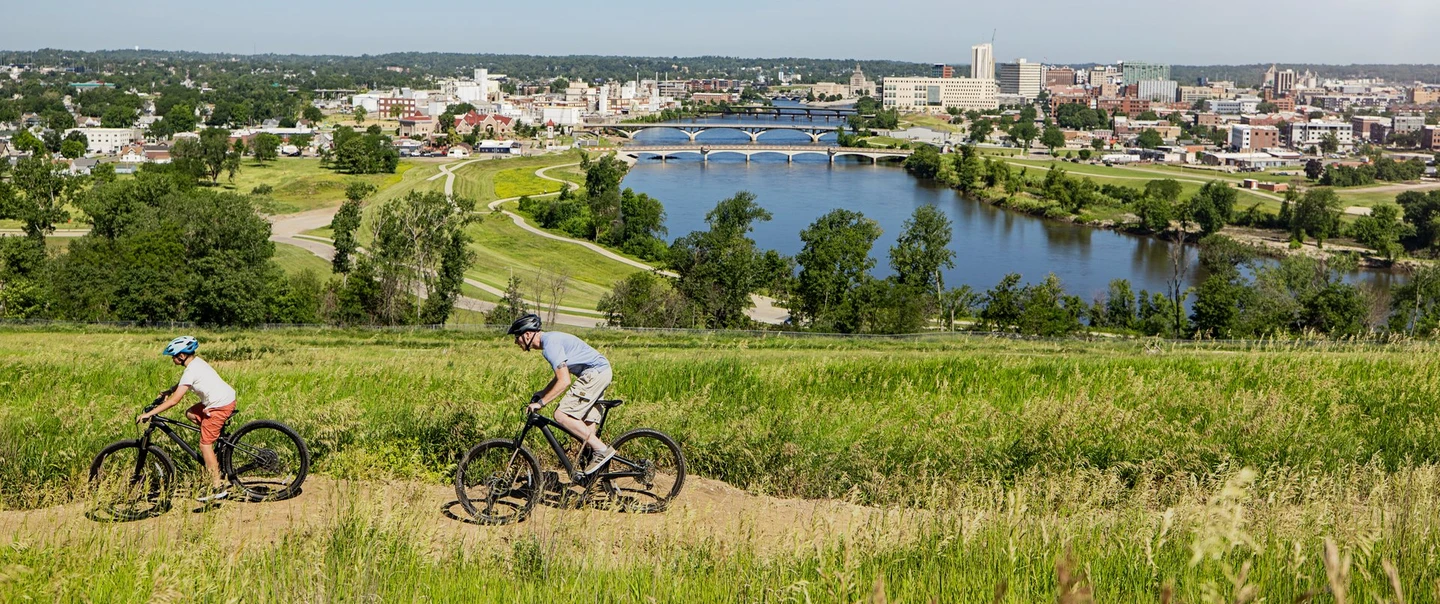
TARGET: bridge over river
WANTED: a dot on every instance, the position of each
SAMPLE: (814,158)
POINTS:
(693,129)
(633,153)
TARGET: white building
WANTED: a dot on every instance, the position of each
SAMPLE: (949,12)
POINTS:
(1236,106)
(982,62)
(106,141)
(1164,91)
(1021,77)
(1304,135)
(935,95)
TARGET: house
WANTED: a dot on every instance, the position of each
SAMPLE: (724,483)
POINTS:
(132,154)
(460,150)
(82,166)
(157,154)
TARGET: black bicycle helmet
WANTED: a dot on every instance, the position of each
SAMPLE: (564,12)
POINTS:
(530,322)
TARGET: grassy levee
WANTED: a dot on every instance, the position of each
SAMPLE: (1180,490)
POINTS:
(1005,455)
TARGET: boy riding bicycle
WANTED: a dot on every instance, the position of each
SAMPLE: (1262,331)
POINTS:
(581,373)
(217,404)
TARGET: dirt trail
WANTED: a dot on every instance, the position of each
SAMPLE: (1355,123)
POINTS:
(707,511)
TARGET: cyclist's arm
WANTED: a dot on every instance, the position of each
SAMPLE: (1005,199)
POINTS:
(170,401)
(557,385)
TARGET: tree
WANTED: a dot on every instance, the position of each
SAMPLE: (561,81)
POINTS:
(1097,144)
(1053,138)
(1314,169)
(834,262)
(419,245)
(719,268)
(72,149)
(36,196)
(1213,206)
(1267,107)
(924,162)
(358,114)
(1422,213)
(1415,304)
(1149,139)
(1329,143)
(968,169)
(980,130)
(265,147)
(26,141)
(344,224)
(118,116)
(180,118)
(602,187)
(640,233)
(1024,132)
(1381,230)
(312,114)
(211,155)
(1317,214)
(922,249)
(646,300)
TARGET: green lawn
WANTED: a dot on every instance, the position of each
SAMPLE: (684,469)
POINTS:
(301,184)
(1361,197)
(492,179)
(295,259)
(503,249)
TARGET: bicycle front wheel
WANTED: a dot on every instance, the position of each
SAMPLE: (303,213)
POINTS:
(498,483)
(124,487)
(267,460)
(647,471)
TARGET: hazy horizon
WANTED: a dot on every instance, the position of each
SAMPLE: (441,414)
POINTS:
(923,31)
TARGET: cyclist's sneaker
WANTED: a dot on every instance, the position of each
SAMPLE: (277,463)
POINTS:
(599,460)
(215,495)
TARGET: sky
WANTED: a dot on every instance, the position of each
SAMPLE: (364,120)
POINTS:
(1053,31)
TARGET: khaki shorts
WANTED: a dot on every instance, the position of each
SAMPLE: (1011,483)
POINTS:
(579,401)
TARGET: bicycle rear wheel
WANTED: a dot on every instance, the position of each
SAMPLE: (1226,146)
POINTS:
(267,460)
(647,471)
(125,489)
(498,483)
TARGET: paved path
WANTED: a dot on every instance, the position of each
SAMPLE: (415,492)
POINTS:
(57,233)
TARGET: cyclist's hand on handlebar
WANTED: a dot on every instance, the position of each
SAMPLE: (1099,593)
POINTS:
(535,404)
(142,418)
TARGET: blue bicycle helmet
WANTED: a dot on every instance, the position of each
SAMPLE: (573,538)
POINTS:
(185,344)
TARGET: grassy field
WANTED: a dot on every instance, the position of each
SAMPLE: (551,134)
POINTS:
(301,184)
(1150,467)
(294,260)
(933,122)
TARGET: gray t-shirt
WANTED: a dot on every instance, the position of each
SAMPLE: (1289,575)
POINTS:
(564,349)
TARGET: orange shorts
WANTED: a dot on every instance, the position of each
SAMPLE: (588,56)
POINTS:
(211,421)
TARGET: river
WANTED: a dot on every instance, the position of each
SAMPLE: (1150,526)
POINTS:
(989,242)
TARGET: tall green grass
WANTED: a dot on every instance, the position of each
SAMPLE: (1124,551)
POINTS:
(1154,467)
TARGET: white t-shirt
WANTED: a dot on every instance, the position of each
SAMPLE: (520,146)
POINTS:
(212,390)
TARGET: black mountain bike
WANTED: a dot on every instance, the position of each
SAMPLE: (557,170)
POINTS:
(132,479)
(499,480)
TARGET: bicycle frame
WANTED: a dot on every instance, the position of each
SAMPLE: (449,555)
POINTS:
(164,425)
(544,424)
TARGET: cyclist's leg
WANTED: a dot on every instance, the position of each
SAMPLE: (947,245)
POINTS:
(577,411)
(196,413)
(214,420)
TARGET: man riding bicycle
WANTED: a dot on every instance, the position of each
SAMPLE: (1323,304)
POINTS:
(581,373)
(217,404)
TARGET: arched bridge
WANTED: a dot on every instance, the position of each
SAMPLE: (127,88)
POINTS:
(789,151)
(693,129)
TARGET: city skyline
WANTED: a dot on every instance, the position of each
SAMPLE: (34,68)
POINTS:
(1055,32)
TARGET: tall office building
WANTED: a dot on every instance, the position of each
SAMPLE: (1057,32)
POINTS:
(1021,77)
(1134,72)
(982,62)
(941,70)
